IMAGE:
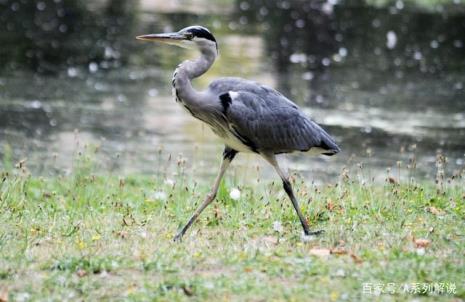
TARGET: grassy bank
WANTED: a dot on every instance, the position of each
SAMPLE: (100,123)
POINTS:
(87,237)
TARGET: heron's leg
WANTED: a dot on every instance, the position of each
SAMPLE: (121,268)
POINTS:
(271,158)
(228,156)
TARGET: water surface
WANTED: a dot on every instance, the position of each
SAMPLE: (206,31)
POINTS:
(386,82)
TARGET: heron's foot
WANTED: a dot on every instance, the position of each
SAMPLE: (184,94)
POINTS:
(178,237)
(314,233)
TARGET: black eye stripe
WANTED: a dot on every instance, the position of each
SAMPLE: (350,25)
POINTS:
(202,33)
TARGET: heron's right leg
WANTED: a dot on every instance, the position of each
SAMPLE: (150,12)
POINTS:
(228,156)
(271,158)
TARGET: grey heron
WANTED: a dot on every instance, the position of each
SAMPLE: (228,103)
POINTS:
(247,116)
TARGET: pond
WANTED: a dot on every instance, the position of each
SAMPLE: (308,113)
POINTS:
(387,81)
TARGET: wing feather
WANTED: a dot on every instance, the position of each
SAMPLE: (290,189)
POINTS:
(271,124)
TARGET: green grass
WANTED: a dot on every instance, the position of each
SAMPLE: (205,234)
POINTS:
(87,237)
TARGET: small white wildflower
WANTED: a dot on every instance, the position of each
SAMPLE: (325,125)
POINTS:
(143,234)
(160,195)
(21,297)
(169,182)
(61,280)
(235,194)
(209,285)
(71,295)
(277,227)
(104,274)
(340,273)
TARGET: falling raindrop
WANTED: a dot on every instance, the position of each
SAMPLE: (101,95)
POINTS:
(232,25)
(121,98)
(72,72)
(327,8)
(93,67)
(110,53)
(307,76)
(216,24)
(343,52)
(63,28)
(263,11)
(244,6)
(14,7)
(337,58)
(285,4)
(298,58)
(60,13)
(99,87)
(366,129)
(300,23)
(41,6)
(153,92)
(36,104)
(391,39)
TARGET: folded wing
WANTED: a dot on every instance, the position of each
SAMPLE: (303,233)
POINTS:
(268,122)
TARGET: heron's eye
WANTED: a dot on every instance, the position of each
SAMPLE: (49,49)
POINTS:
(189,36)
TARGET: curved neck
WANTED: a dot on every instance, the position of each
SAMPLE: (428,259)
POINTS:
(189,70)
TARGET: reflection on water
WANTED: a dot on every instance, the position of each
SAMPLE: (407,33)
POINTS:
(387,82)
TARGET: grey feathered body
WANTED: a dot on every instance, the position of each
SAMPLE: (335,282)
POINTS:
(251,117)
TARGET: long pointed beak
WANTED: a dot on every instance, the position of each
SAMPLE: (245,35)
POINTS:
(164,38)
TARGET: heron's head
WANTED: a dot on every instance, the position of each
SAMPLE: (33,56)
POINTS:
(196,36)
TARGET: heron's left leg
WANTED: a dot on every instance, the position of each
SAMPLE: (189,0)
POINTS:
(271,158)
(228,156)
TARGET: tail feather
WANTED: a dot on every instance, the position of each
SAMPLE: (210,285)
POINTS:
(329,145)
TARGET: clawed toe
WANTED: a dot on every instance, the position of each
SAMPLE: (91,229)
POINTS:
(177,238)
(314,233)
